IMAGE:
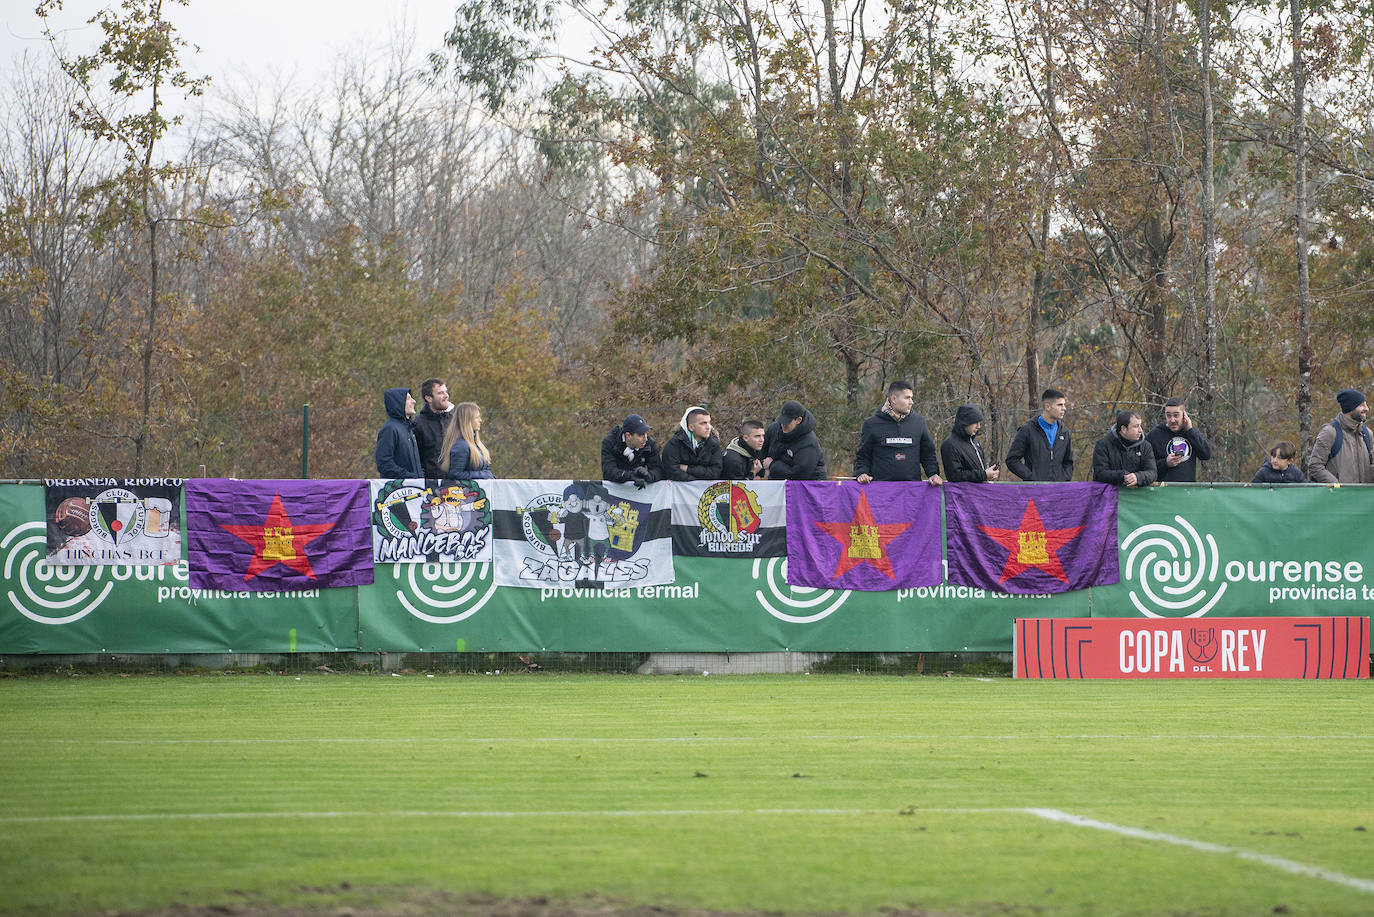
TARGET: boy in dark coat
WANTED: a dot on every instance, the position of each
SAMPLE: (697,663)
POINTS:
(1279,468)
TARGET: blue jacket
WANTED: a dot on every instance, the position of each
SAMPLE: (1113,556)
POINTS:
(398,455)
(458,468)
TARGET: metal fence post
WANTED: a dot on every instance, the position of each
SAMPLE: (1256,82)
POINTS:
(305,441)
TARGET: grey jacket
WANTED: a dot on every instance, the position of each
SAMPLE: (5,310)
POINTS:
(1352,465)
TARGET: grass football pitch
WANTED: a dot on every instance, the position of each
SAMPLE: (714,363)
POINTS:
(779,794)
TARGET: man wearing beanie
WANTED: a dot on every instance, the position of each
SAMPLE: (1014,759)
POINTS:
(1178,445)
(961,453)
(1342,452)
(790,446)
(895,443)
(1122,457)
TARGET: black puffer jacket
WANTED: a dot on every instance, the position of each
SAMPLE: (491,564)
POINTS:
(703,463)
(963,455)
(1114,458)
(895,450)
(618,467)
(796,456)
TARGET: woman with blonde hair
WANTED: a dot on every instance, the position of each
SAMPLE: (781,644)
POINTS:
(462,454)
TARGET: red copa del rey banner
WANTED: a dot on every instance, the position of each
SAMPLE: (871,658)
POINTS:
(1191,648)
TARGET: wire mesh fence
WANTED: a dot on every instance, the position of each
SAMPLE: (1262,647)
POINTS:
(984,665)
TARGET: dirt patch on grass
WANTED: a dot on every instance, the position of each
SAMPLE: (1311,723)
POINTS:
(347,901)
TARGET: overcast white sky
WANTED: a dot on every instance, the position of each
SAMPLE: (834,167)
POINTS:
(258,39)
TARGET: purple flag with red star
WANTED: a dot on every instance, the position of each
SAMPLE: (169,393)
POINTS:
(843,535)
(1030,539)
(274,536)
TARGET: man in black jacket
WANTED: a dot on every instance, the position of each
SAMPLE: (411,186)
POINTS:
(743,460)
(895,443)
(1042,449)
(629,454)
(962,455)
(792,449)
(693,452)
(1122,457)
(431,424)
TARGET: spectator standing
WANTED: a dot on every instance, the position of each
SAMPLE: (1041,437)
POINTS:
(398,455)
(1178,445)
(961,453)
(743,459)
(1342,452)
(1279,468)
(629,454)
(431,424)
(1122,457)
(693,452)
(465,455)
(791,448)
(895,443)
(1042,449)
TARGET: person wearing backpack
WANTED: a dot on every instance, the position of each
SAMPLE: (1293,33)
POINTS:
(1343,452)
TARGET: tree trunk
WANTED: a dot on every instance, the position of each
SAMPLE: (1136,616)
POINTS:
(1209,259)
(1300,229)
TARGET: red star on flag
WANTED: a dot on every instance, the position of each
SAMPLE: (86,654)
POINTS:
(1032,545)
(864,540)
(277,541)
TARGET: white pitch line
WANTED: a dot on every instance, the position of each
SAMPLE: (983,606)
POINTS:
(1292,866)
(1054,815)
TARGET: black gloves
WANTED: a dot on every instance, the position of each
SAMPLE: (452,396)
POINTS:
(641,477)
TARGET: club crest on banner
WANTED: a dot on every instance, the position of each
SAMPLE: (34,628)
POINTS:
(730,518)
(435,521)
(113,521)
(583,534)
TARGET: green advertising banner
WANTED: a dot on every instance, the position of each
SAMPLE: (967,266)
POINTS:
(1184,551)
(1241,551)
(716,604)
(128,609)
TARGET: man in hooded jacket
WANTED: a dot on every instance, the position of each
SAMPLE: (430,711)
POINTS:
(743,459)
(792,449)
(693,452)
(895,443)
(398,455)
(961,453)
